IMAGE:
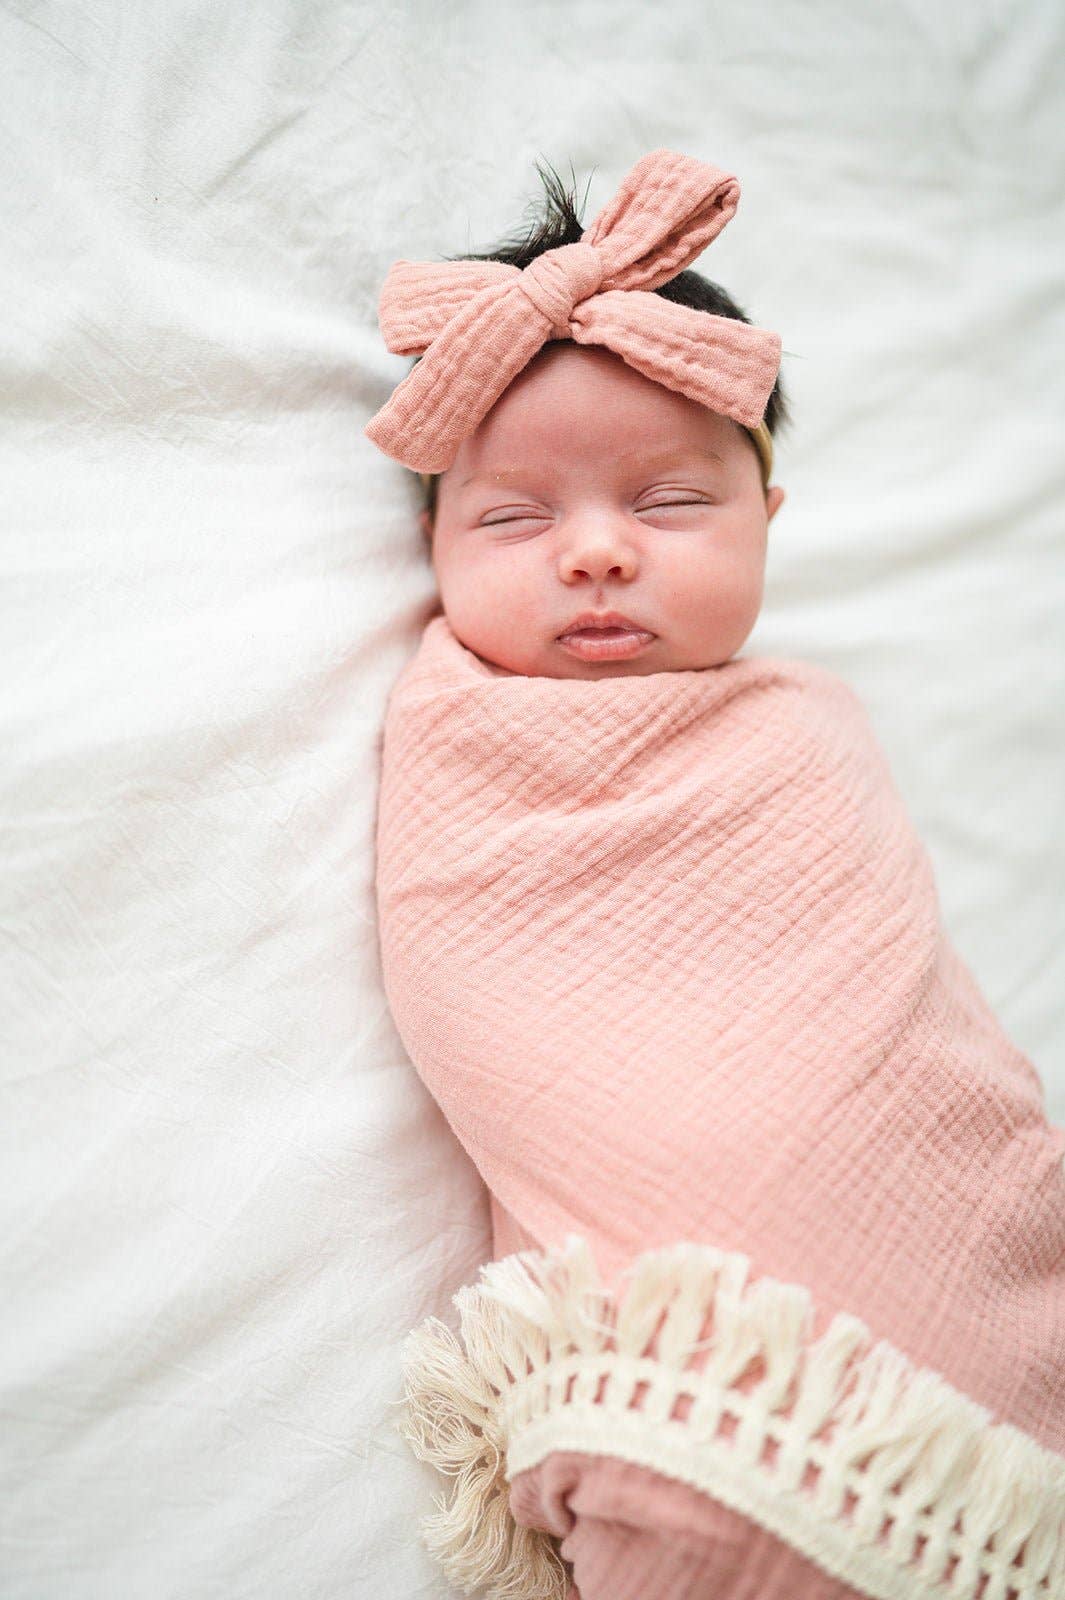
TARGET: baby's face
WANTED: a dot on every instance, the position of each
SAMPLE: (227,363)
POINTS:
(588,487)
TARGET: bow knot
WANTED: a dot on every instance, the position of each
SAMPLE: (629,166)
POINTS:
(559,280)
(472,324)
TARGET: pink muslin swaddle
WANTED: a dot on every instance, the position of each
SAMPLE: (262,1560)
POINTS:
(780,1220)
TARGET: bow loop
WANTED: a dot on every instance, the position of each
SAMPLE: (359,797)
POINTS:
(663,216)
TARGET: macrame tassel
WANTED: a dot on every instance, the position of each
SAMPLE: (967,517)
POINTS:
(894,1445)
(450,1418)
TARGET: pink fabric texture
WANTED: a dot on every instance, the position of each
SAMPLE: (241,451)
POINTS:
(667,951)
(477,324)
(632,1534)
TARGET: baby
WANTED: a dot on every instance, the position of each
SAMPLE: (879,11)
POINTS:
(776,1305)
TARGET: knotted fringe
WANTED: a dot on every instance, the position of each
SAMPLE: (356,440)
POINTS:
(888,1442)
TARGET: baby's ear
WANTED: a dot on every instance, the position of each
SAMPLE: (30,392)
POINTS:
(774,498)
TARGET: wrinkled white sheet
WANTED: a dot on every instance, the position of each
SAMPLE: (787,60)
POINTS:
(226,1196)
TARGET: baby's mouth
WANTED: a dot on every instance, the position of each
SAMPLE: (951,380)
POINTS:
(605,644)
(598,633)
(602,624)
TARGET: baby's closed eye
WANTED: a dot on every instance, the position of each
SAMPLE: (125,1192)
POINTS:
(497,519)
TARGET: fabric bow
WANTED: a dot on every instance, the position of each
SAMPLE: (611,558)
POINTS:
(477,324)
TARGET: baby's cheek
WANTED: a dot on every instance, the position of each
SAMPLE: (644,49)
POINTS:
(725,592)
(502,586)
(496,611)
(460,586)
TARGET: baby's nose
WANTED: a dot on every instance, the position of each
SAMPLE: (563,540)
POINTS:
(599,551)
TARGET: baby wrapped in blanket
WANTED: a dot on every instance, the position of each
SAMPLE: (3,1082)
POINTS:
(777,1308)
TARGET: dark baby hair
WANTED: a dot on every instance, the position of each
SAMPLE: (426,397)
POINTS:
(559,223)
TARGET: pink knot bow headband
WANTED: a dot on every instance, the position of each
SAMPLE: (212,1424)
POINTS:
(477,324)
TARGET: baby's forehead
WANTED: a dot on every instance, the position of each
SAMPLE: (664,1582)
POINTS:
(637,459)
(603,412)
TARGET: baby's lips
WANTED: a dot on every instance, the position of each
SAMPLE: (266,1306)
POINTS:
(600,621)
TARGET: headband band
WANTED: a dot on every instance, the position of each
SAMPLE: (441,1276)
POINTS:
(477,324)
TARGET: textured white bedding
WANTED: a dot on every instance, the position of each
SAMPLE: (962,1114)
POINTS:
(226,1196)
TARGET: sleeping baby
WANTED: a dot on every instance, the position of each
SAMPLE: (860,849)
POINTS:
(776,1307)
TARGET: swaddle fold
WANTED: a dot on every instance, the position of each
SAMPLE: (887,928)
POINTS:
(667,951)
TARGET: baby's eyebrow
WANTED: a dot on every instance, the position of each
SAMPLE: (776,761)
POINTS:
(657,459)
(503,475)
(663,458)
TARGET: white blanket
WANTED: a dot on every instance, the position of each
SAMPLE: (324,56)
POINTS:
(226,1195)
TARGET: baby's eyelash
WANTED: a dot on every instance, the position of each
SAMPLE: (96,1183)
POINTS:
(534,516)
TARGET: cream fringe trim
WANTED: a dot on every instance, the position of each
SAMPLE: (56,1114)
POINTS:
(902,1443)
